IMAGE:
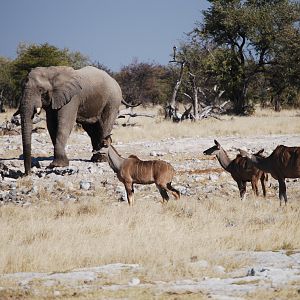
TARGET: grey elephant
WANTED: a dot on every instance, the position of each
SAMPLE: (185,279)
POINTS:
(88,96)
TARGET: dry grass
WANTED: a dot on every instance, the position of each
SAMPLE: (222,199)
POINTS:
(55,236)
(264,122)
(164,239)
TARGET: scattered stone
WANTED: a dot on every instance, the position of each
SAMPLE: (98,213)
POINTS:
(85,185)
(213,177)
(182,189)
(201,264)
(157,153)
(209,189)
(219,269)
(8,172)
(134,281)
(121,193)
(251,272)
(56,293)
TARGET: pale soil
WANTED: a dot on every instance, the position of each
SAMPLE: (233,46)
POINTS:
(207,245)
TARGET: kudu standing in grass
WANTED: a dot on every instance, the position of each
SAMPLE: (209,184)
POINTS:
(133,170)
(284,162)
(240,168)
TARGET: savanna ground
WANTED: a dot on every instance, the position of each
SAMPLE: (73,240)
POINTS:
(63,241)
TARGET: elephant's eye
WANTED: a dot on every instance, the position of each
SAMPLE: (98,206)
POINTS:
(42,91)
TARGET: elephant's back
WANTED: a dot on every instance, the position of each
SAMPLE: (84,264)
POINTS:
(98,91)
(92,77)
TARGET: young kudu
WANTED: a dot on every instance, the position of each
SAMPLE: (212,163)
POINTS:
(240,168)
(284,162)
(133,170)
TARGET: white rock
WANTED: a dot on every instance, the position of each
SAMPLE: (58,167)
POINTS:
(213,177)
(219,269)
(85,185)
(134,281)
(201,264)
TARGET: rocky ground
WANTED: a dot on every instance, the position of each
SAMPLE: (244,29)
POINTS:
(197,175)
(269,271)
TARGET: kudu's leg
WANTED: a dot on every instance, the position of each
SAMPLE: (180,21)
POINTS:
(254,182)
(282,191)
(173,191)
(129,192)
(163,192)
(242,188)
(263,184)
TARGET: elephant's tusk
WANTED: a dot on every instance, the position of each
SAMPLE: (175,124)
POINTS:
(38,110)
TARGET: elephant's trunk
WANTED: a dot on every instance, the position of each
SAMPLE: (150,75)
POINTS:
(26,123)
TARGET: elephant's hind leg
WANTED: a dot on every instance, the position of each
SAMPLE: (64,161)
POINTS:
(93,131)
(101,129)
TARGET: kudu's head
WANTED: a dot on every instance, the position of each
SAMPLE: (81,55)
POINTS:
(213,150)
(254,158)
(106,142)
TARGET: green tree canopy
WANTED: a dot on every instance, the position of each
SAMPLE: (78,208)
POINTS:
(245,38)
(44,55)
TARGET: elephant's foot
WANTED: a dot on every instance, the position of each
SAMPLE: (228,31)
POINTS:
(62,162)
(97,157)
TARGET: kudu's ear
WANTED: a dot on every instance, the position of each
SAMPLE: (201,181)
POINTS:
(217,144)
(107,141)
(244,153)
(260,151)
(65,85)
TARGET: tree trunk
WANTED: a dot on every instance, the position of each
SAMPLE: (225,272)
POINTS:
(239,99)
(195,96)
(172,103)
(277,104)
(2,102)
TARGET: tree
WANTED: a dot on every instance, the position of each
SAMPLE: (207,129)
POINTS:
(285,88)
(76,59)
(44,55)
(6,82)
(243,37)
(145,83)
(101,66)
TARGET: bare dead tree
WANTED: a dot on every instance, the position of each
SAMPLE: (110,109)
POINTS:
(171,108)
(211,97)
(129,112)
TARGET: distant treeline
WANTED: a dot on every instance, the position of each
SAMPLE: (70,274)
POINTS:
(248,50)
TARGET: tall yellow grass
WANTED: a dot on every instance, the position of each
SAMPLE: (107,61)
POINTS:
(264,122)
(165,240)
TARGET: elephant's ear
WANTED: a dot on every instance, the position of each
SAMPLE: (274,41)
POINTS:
(65,86)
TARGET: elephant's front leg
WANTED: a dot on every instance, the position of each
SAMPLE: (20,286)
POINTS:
(66,117)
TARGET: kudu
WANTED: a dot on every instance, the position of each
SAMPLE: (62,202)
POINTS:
(133,170)
(284,162)
(240,168)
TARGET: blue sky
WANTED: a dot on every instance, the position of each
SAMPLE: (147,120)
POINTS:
(113,32)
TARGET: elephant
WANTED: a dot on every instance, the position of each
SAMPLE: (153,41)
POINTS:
(88,96)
